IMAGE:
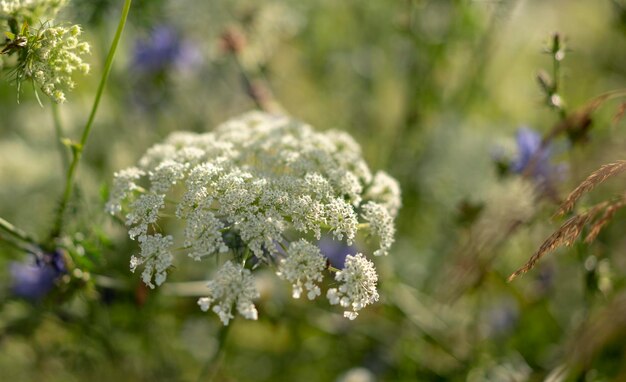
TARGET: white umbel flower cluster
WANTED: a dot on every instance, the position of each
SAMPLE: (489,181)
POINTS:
(53,55)
(381,225)
(262,186)
(123,184)
(385,190)
(30,10)
(48,55)
(155,257)
(233,286)
(359,280)
(303,266)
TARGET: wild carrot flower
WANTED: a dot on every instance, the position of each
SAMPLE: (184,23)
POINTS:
(233,285)
(260,186)
(49,57)
(303,266)
(30,11)
(359,285)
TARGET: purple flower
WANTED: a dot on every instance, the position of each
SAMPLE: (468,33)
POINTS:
(335,251)
(531,153)
(163,50)
(34,281)
(500,318)
(534,160)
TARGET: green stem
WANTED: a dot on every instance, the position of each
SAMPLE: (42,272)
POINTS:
(556,69)
(556,74)
(19,247)
(110,282)
(250,88)
(16,232)
(333,269)
(58,130)
(77,149)
(258,90)
(215,360)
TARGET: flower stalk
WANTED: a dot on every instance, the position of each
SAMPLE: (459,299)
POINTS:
(16,232)
(58,131)
(77,148)
(214,362)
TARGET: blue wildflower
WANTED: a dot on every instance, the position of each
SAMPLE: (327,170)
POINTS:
(533,159)
(163,50)
(501,318)
(34,281)
(336,251)
(531,153)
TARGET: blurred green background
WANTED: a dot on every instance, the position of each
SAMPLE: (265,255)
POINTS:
(432,90)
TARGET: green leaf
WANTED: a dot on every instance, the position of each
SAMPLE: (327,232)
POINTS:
(10,36)
(13,25)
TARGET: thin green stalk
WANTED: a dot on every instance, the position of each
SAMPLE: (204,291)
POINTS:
(557,56)
(215,361)
(16,232)
(556,73)
(77,149)
(258,90)
(250,88)
(58,130)
(19,247)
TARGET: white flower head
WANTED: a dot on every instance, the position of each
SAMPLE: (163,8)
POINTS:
(358,288)
(342,218)
(49,57)
(385,190)
(233,285)
(203,234)
(165,175)
(123,184)
(30,11)
(303,267)
(144,212)
(155,257)
(380,225)
(255,182)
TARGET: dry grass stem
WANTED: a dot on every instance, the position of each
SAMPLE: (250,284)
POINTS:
(581,117)
(597,177)
(621,111)
(610,210)
(565,235)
